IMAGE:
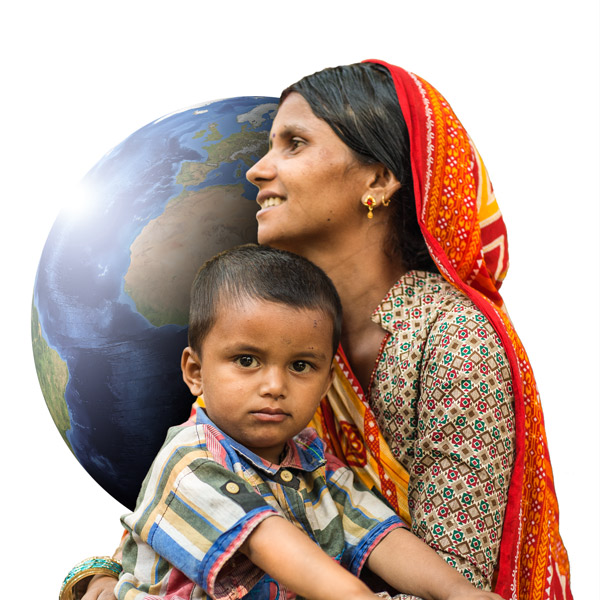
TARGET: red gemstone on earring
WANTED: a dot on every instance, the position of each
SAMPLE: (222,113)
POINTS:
(369,202)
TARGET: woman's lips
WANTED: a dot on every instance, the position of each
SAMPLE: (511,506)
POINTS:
(268,199)
(271,201)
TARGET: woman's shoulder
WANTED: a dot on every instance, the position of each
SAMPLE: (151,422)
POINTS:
(424,313)
(424,296)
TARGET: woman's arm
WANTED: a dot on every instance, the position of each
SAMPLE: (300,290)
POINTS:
(89,579)
(93,578)
(443,398)
(409,565)
(100,587)
(464,447)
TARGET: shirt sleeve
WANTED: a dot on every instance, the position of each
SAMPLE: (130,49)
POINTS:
(464,449)
(195,514)
(366,517)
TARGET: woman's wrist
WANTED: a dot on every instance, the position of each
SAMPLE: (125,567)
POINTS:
(461,589)
(77,580)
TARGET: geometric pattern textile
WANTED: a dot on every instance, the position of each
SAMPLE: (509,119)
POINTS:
(465,233)
(442,396)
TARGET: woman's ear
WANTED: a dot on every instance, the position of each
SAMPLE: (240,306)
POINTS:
(383,184)
(191,371)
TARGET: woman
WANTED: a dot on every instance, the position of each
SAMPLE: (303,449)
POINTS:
(371,176)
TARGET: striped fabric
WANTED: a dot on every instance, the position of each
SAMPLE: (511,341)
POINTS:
(205,493)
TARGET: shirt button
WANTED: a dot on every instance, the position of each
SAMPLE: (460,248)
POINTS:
(232,488)
(286,476)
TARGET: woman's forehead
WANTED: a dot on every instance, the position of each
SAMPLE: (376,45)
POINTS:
(294,113)
(296,117)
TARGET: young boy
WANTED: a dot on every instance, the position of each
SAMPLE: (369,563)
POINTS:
(234,507)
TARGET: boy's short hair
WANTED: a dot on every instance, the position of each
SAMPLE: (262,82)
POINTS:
(259,273)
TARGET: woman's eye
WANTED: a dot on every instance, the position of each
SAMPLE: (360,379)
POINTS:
(295,143)
(301,366)
(246,361)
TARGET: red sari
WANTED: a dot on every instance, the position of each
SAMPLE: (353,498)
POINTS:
(466,237)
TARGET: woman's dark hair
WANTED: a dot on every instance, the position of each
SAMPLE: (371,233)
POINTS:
(259,273)
(360,104)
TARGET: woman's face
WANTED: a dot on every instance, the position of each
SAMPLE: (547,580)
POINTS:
(310,185)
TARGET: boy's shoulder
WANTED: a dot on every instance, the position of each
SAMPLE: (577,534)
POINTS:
(203,440)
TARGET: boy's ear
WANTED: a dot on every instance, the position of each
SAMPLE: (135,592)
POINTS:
(191,371)
(330,379)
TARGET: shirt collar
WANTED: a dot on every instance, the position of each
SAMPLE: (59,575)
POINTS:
(304,453)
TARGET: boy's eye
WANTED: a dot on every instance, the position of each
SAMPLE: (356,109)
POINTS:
(246,361)
(301,366)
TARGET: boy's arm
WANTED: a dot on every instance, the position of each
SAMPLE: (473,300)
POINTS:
(411,566)
(292,558)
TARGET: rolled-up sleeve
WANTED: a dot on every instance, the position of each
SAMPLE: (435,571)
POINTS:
(367,519)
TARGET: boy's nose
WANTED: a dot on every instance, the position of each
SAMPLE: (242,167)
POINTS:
(273,383)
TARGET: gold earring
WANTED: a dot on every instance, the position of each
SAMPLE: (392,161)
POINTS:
(384,201)
(370,203)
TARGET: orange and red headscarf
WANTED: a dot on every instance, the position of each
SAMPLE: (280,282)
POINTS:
(466,236)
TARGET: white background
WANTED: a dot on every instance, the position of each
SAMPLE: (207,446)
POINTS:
(79,77)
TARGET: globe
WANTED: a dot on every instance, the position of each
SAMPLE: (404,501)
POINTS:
(111,295)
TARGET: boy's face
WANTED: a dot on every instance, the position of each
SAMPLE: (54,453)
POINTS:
(265,367)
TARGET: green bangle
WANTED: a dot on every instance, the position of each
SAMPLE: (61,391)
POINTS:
(94,565)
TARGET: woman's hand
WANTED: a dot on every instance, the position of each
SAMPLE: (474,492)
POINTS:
(472,594)
(100,587)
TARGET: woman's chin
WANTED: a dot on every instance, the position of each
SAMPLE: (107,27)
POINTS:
(263,237)
(271,236)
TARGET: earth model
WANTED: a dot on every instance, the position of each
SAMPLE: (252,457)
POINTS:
(111,297)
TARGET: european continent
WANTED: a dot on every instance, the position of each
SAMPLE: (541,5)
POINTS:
(194,226)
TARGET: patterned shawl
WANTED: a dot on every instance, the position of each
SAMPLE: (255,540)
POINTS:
(466,236)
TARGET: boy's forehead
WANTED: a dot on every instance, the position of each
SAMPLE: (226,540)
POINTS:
(229,302)
(230,305)
(266,328)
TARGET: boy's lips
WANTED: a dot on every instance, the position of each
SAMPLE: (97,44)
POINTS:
(270,415)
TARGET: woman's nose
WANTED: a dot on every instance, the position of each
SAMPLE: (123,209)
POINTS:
(263,170)
(273,383)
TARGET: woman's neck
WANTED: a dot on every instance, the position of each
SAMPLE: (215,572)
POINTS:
(362,277)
